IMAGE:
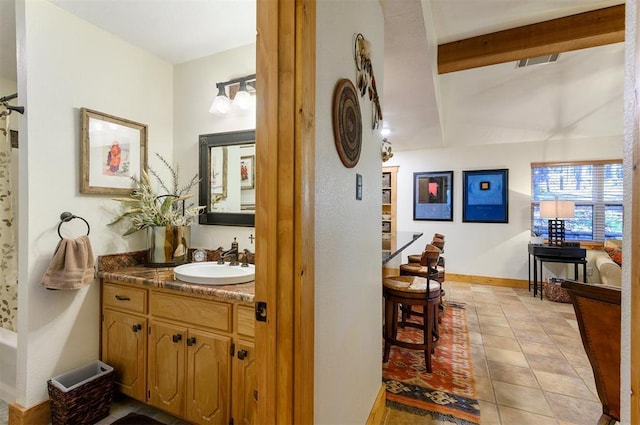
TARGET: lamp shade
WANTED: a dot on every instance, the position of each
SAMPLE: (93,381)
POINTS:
(221,104)
(243,98)
(557,209)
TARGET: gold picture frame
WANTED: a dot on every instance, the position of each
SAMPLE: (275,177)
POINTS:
(112,150)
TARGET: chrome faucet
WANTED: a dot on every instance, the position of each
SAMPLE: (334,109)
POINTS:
(231,253)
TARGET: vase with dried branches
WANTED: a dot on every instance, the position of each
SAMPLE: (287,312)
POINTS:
(166,217)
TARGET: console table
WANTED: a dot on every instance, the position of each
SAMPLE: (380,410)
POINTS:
(555,254)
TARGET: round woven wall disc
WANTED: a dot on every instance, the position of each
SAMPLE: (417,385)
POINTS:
(347,122)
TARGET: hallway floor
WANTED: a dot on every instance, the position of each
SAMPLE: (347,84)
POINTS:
(529,362)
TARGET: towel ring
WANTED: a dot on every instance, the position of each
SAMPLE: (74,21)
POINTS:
(66,217)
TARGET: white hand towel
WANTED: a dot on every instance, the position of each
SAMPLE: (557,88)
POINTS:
(72,265)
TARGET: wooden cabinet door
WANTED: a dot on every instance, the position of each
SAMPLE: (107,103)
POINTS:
(208,378)
(167,367)
(124,342)
(244,384)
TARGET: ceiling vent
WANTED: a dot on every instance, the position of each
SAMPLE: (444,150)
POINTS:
(538,60)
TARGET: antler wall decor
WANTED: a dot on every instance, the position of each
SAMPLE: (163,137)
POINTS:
(365,80)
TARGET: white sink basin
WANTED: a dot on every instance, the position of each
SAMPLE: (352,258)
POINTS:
(212,273)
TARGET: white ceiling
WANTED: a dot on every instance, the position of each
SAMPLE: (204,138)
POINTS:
(579,96)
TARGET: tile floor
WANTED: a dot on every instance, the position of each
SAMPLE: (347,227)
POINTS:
(529,362)
(528,359)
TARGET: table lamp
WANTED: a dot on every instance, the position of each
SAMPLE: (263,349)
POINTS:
(556,211)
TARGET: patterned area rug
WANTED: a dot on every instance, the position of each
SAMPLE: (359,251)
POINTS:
(448,393)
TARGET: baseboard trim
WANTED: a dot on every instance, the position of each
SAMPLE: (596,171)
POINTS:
(377,411)
(485,280)
(38,414)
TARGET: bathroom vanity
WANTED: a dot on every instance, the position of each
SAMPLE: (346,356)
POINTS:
(184,348)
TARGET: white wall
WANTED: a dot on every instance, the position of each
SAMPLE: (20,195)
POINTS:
(487,249)
(348,248)
(195,88)
(65,64)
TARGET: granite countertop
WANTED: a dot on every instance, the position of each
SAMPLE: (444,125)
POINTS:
(130,268)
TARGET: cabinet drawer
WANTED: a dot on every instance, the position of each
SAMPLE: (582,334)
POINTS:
(245,320)
(124,298)
(201,313)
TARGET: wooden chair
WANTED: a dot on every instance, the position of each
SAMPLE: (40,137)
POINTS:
(402,292)
(427,267)
(597,309)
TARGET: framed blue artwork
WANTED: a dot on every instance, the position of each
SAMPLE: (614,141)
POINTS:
(433,195)
(485,196)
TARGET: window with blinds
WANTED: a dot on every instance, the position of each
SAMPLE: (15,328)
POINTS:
(595,187)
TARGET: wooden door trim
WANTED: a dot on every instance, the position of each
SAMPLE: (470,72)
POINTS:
(635,247)
(285,154)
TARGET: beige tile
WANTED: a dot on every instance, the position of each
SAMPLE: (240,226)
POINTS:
(480,288)
(475,337)
(500,355)
(562,384)
(493,321)
(573,324)
(548,350)
(512,374)
(477,351)
(567,341)
(496,330)
(508,299)
(561,327)
(473,327)
(523,398)
(513,416)
(574,410)
(484,389)
(480,298)
(535,336)
(489,311)
(563,307)
(586,373)
(489,413)
(548,316)
(550,364)
(526,325)
(501,342)
(575,354)
(480,367)
(517,312)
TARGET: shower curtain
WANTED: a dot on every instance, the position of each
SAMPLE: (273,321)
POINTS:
(8,252)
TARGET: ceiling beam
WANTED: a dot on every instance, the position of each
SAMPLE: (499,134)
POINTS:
(581,31)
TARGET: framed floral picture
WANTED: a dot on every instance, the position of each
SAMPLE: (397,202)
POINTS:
(247,173)
(112,150)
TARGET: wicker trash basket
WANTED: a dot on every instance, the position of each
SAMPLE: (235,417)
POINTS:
(82,396)
(554,292)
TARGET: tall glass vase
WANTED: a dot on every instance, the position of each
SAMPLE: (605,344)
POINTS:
(168,245)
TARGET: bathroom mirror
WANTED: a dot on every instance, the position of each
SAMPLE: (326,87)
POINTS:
(228,178)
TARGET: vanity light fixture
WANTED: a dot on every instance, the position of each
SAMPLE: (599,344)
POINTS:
(240,90)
